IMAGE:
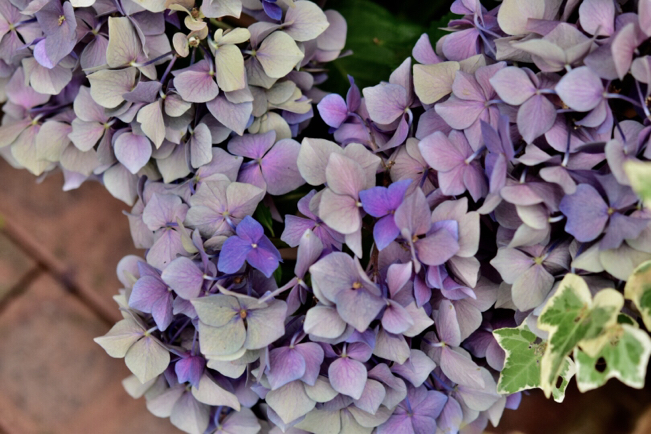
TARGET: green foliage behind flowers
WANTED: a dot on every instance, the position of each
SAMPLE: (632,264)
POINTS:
(381,39)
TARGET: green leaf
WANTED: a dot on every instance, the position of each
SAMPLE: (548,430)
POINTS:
(572,317)
(524,352)
(625,353)
(380,42)
(622,318)
(567,372)
(638,289)
(263,215)
(639,173)
(278,275)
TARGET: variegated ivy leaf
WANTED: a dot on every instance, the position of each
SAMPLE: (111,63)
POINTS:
(625,352)
(524,351)
(638,289)
(572,317)
(639,173)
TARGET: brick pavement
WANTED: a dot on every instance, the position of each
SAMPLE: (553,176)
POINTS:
(58,252)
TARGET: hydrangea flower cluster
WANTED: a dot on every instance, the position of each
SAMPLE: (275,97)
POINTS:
(117,90)
(466,236)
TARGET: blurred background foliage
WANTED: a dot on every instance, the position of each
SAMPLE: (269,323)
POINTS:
(381,34)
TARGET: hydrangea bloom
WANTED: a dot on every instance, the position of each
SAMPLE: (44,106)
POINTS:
(477,209)
(149,105)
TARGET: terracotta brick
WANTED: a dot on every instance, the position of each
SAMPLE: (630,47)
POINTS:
(14,265)
(54,378)
(84,228)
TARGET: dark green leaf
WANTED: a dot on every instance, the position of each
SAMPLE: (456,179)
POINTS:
(263,216)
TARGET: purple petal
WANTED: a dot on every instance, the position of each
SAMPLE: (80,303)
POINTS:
(624,45)
(264,259)
(161,311)
(333,274)
(414,214)
(324,322)
(252,174)
(581,89)
(474,180)
(295,227)
(451,417)
(461,369)
(184,277)
(397,277)
(340,212)
(309,250)
(280,169)
(372,397)
(333,110)
(396,319)
(431,122)
(162,209)
(357,307)
(265,326)
(272,10)
(234,116)
(399,423)
(461,44)
(531,288)
(313,355)
(513,85)
(353,96)
(511,263)
(441,154)
(348,377)
(146,291)
(416,370)
(586,213)
(622,228)
(597,17)
(437,248)
(234,253)
(334,37)
(467,88)
(132,151)
(423,51)
(190,369)
(197,85)
(447,324)
(385,231)
(536,116)
(252,146)
(145,92)
(152,122)
(385,102)
(345,176)
(424,421)
(285,365)
(458,113)
(250,230)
